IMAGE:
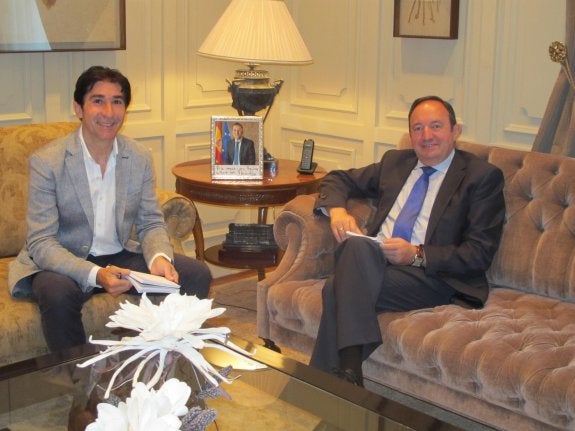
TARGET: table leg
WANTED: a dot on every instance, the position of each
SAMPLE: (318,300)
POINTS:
(199,238)
(262,215)
(262,218)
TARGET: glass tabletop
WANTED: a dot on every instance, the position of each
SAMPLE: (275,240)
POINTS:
(282,394)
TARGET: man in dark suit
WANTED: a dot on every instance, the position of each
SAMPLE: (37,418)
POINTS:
(247,151)
(442,258)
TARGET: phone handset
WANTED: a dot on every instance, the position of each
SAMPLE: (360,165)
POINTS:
(307,165)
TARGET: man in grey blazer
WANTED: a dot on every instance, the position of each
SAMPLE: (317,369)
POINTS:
(441,260)
(87,191)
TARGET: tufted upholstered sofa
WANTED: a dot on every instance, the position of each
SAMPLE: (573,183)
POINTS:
(20,330)
(510,365)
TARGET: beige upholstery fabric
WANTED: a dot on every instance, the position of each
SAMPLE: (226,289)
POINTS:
(512,363)
(17,143)
(21,334)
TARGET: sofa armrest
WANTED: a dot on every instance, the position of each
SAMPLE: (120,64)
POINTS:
(182,220)
(307,241)
(309,245)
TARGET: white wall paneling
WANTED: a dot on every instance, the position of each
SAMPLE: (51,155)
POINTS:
(525,71)
(22,88)
(353,100)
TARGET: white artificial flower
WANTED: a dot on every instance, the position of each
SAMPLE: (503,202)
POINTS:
(145,409)
(173,325)
(176,316)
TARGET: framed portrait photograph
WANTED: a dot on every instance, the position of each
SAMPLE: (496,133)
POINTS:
(62,25)
(430,19)
(237,148)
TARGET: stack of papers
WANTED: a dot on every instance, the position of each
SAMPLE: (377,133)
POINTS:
(373,238)
(152,283)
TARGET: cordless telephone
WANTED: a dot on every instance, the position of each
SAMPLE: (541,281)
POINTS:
(307,166)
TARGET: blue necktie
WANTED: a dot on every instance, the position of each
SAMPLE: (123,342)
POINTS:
(403,227)
(237,153)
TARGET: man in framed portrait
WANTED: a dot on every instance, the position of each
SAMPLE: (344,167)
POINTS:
(241,150)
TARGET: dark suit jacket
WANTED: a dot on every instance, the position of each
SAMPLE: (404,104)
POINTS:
(465,223)
(247,152)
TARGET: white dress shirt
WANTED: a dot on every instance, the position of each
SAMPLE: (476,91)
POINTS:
(103,196)
(420,227)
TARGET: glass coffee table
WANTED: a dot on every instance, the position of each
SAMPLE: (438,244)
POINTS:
(38,394)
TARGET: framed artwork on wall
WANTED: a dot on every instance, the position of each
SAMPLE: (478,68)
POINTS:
(429,19)
(237,148)
(62,25)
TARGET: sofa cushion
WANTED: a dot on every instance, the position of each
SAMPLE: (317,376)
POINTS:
(518,352)
(536,251)
(17,143)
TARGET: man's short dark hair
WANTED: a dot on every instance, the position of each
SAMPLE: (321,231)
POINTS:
(447,105)
(95,74)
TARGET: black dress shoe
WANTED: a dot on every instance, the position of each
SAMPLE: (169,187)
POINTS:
(349,375)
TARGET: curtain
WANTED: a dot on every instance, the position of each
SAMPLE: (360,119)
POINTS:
(556,134)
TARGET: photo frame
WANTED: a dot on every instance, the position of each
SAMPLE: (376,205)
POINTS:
(62,25)
(224,130)
(429,19)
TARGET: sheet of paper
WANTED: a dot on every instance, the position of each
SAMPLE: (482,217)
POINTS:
(373,238)
(152,283)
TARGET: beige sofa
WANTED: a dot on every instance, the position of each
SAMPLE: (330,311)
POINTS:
(21,334)
(510,365)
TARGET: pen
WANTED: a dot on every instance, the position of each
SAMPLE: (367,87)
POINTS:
(118,275)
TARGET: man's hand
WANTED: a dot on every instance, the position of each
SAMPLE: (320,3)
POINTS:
(162,266)
(398,251)
(341,222)
(111,278)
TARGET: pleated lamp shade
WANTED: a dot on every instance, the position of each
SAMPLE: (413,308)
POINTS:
(256,32)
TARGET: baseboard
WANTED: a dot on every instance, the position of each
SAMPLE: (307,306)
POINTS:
(235,277)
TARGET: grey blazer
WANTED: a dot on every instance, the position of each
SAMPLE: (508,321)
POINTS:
(61,218)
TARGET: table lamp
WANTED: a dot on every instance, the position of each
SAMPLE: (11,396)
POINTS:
(255,32)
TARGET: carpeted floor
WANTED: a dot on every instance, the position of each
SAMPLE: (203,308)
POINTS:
(237,295)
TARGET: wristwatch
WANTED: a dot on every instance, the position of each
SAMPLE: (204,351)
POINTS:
(418,258)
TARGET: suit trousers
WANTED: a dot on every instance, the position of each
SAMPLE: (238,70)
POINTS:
(60,299)
(364,285)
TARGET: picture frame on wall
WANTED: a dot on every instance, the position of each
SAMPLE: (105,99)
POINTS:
(62,25)
(429,19)
(229,133)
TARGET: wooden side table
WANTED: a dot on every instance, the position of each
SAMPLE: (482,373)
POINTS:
(194,180)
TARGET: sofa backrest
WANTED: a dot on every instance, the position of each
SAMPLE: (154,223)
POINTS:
(17,143)
(537,251)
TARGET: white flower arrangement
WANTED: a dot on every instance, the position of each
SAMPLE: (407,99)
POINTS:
(173,325)
(145,409)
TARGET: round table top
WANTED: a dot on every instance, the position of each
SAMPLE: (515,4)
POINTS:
(194,180)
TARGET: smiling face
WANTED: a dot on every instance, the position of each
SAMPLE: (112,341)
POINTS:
(102,113)
(432,135)
(237,131)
